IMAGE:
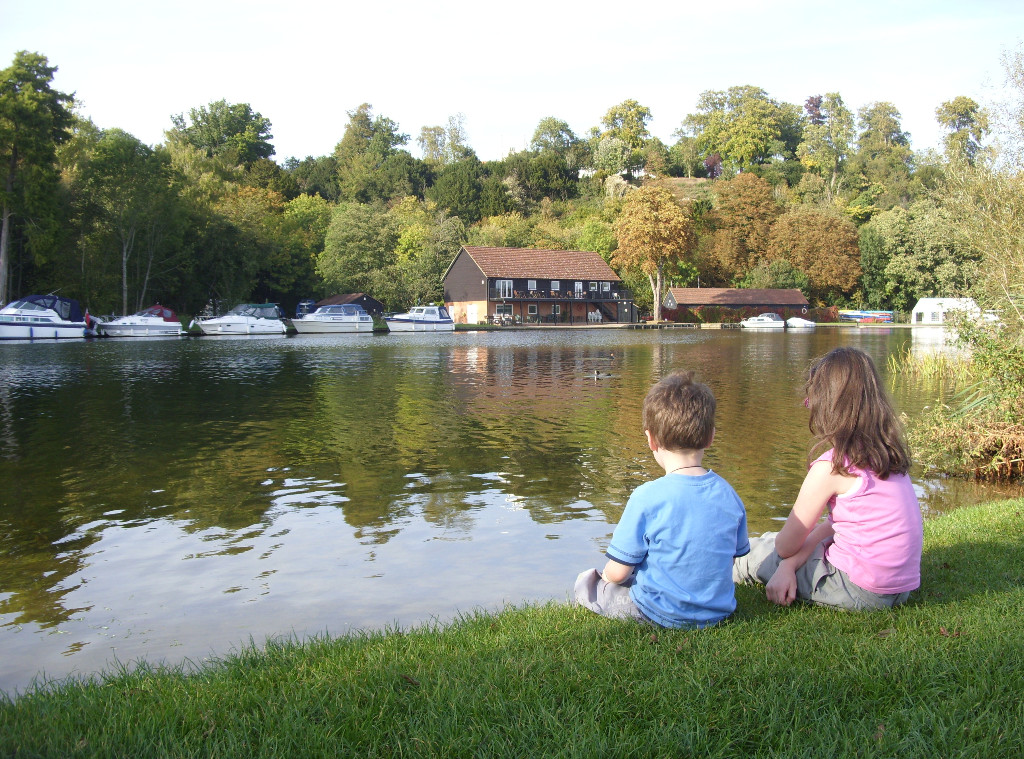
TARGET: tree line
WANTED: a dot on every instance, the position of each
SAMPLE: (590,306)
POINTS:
(753,192)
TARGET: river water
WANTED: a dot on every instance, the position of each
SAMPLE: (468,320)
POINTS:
(173,499)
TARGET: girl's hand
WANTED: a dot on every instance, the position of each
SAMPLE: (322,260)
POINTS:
(781,589)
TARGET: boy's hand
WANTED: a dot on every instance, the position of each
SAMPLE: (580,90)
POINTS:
(781,589)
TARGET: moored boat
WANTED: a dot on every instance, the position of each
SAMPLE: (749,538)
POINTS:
(422,319)
(149,322)
(796,322)
(44,317)
(245,319)
(768,320)
(347,317)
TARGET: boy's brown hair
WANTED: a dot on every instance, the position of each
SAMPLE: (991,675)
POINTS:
(679,412)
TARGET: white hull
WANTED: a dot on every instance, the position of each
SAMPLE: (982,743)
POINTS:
(42,330)
(796,322)
(249,326)
(398,325)
(328,328)
(158,327)
(764,322)
(422,319)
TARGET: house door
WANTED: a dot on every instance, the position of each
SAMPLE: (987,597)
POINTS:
(471,316)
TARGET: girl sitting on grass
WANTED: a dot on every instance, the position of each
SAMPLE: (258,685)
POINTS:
(867,553)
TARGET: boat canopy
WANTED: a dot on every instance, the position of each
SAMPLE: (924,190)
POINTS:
(160,311)
(66,308)
(259,310)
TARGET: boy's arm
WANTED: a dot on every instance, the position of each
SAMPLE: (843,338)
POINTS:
(616,572)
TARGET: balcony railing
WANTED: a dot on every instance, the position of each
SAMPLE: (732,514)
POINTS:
(494,293)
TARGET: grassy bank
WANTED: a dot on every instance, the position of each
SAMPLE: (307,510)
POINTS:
(940,677)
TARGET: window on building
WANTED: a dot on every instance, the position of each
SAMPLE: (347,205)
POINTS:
(503,309)
(556,309)
(531,284)
(554,285)
(579,288)
(606,287)
(504,288)
(593,287)
(532,309)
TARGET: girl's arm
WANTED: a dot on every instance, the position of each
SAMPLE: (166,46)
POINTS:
(781,588)
(819,486)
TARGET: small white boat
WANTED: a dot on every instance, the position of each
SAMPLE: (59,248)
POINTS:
(152,321)
(764,321)
(422,319)
(245,319)
(347,317)
(795,322)
(44,317)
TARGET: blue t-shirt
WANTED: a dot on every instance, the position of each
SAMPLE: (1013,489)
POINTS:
(682,533)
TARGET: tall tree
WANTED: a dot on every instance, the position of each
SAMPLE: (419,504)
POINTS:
(967,124)
(359,250)
(744,126)
(444,145)
(627,122)
(826,140)
(653,231)
(883,161)
(232,130)
(371,165)
(34,119)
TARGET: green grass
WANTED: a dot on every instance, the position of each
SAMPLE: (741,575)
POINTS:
(940,677)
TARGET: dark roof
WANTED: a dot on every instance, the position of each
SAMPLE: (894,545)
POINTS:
(523,263)
(729,296)
(340,300)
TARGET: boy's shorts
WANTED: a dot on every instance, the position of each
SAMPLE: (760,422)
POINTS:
(606,598)
(817,581)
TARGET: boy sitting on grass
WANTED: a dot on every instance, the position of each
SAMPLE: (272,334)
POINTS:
(671,555)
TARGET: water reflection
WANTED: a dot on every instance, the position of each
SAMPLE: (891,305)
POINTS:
(171,498)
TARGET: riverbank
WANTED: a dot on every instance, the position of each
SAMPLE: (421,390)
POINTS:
(938,677)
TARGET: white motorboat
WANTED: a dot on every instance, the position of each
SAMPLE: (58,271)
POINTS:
(796,322)
(422,319)
(764,321)
(149,322)
(245,319)
(347,317)
(44,317)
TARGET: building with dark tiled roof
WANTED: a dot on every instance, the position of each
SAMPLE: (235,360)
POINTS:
(372,306)
(527,286)
(730,297)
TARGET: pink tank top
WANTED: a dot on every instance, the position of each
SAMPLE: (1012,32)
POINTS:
(878,532)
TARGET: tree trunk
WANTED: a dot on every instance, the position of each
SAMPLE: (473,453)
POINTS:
(5,230)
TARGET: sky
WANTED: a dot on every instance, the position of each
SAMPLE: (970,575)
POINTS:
(306,64)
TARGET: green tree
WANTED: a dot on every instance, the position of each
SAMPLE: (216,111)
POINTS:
(359,250)
(744,126)
(370,165)
(232,130)
(457,189)
(444,145)
(653,231)
(883,161)
(34,119)
(826,141)
(127,185)
(627,122)
(967,124)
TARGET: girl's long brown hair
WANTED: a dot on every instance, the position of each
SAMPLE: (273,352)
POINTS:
(851,412)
